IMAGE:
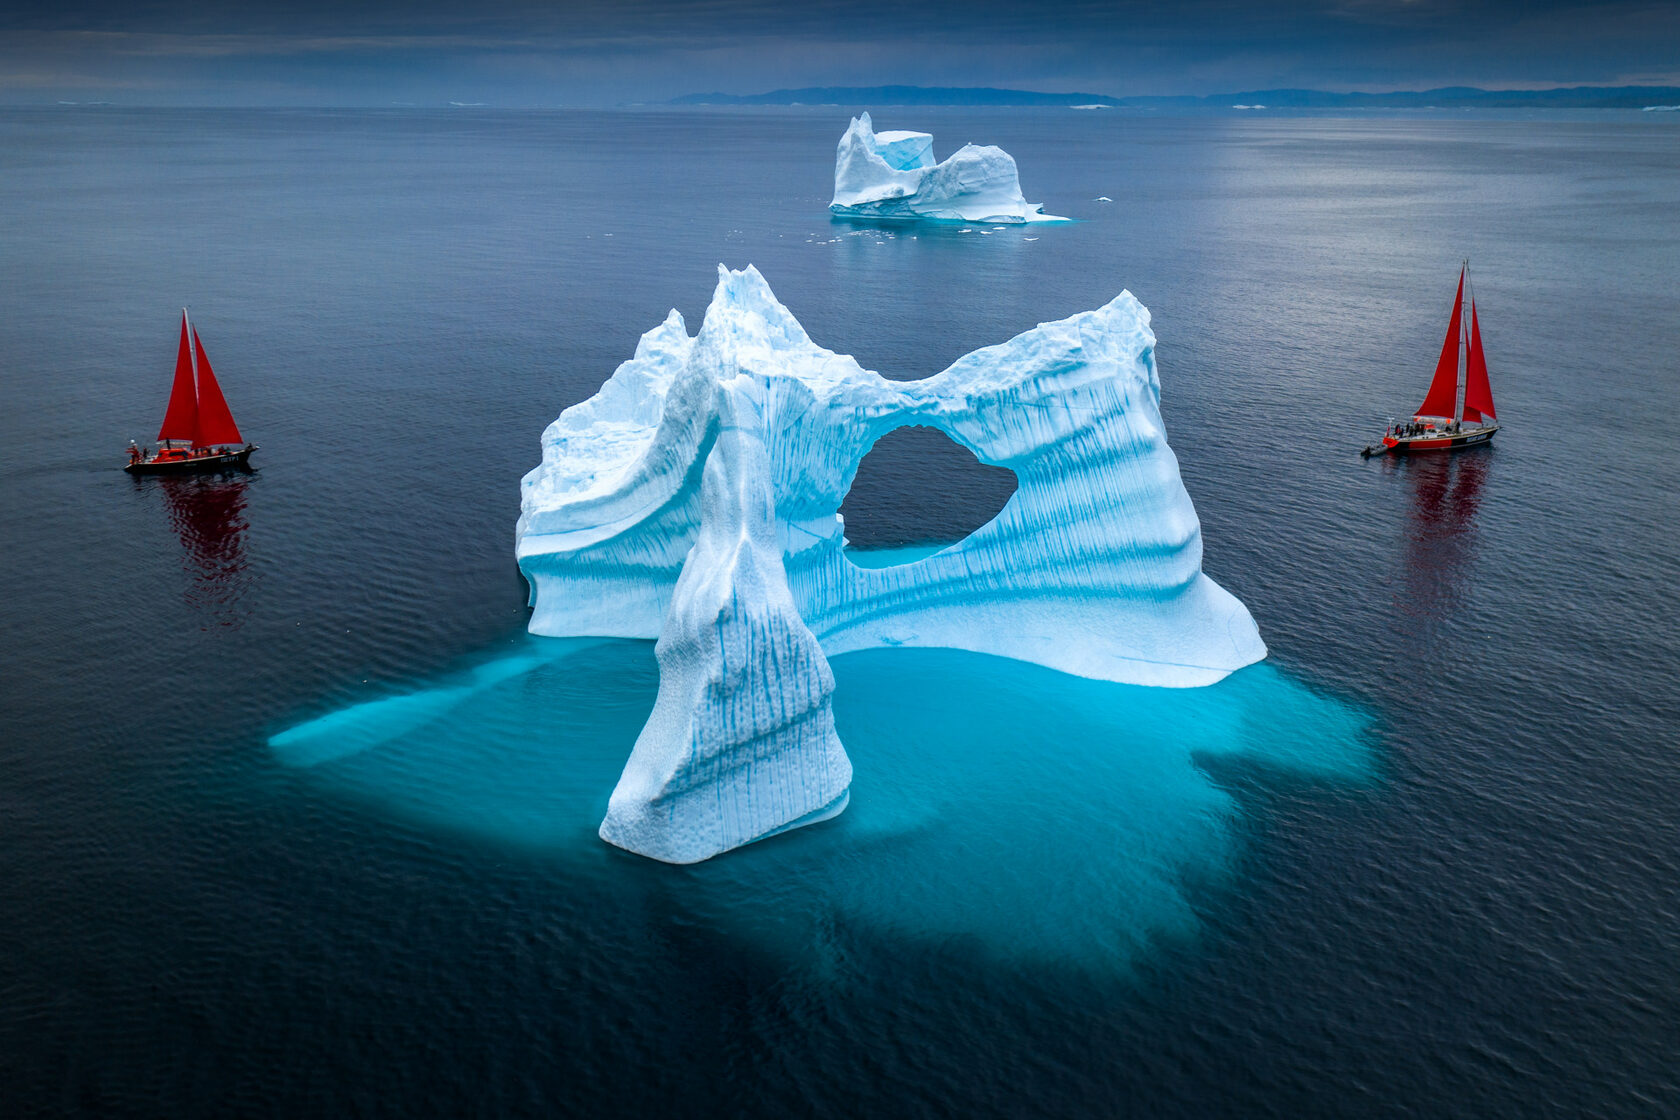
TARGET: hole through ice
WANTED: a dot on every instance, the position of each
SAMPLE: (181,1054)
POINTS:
(916,486)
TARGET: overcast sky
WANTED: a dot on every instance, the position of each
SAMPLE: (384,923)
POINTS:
(601,52)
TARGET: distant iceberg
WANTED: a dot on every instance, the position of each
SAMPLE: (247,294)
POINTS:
(893,176)
(695,497)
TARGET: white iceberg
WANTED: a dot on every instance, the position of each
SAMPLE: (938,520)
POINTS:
(695,499)
(892,176)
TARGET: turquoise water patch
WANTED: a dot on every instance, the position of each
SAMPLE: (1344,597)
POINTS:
(892,557)
(1033,815)
(523,749)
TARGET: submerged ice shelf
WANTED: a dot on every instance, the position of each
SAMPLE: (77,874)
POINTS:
(893,176)
(694,499)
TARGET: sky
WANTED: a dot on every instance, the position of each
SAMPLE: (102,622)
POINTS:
(607,52)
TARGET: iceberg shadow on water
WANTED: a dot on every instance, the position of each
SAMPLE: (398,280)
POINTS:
(1035,815)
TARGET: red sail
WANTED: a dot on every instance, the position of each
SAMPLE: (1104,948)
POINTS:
(180,421)
(1443,391)
(215,422)
(1478,394)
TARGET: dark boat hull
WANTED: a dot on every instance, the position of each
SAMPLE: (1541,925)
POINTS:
(1414,445)
(231,460)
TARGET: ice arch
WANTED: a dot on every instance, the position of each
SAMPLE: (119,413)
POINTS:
(694,499)
(915,486)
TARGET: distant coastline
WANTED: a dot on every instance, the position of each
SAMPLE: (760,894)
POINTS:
(1575,97)
(898,95)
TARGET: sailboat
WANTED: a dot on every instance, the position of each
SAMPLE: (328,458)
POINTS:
(1443,422)
(198,432)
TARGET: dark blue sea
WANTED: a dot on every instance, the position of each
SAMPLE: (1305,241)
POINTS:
(1423,861)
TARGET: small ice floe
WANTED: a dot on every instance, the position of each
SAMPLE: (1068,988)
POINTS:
(1029,239)
(1102,198)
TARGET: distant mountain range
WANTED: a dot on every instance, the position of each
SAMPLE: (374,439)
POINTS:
(1576,97)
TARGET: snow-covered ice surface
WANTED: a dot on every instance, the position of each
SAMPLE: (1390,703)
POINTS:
(695,499)
(893,176)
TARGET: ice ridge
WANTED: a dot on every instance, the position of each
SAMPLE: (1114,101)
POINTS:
(892,176)
(695,499)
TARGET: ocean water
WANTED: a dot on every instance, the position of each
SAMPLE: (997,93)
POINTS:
(296,819)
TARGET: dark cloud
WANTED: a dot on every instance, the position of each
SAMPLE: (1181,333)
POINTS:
(523,52)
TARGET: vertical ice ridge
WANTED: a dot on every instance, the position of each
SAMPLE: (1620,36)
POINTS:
(718,532)
(741,741)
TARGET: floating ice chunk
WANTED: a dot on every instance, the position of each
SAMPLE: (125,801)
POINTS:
(1102,198)
(892,176)
(695,499)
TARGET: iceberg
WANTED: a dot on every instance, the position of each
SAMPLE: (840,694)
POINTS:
(695,499)
(892,176)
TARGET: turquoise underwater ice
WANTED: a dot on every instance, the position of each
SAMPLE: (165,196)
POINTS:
(1035,815)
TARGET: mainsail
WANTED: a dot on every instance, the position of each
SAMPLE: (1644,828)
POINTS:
(1478,394)
(197,413)
(1442,399)
(180,420)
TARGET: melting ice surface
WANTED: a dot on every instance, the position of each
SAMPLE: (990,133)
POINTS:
(695,498)
(1033,815)
(893,176)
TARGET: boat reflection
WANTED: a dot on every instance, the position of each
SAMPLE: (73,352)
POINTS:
(1441,542)
(207,513)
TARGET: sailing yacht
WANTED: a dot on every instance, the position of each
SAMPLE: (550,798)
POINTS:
(198,432)
(1444,422)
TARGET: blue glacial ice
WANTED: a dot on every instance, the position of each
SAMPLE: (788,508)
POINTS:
(694,499)
(892,176)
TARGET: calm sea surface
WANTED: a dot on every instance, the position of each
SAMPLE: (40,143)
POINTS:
(1424,861)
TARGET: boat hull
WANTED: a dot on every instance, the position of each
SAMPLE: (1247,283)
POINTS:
(1430,441)
(230,460)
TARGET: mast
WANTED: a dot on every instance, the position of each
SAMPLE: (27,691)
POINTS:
(186,325)
(1463,347)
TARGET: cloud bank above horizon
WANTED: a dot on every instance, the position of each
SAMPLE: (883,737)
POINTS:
(603,52)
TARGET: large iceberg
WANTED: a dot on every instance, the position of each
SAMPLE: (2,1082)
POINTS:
(892,176)
(695,499)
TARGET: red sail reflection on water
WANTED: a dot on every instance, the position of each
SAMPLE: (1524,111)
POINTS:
(1441,538)
(208,515)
